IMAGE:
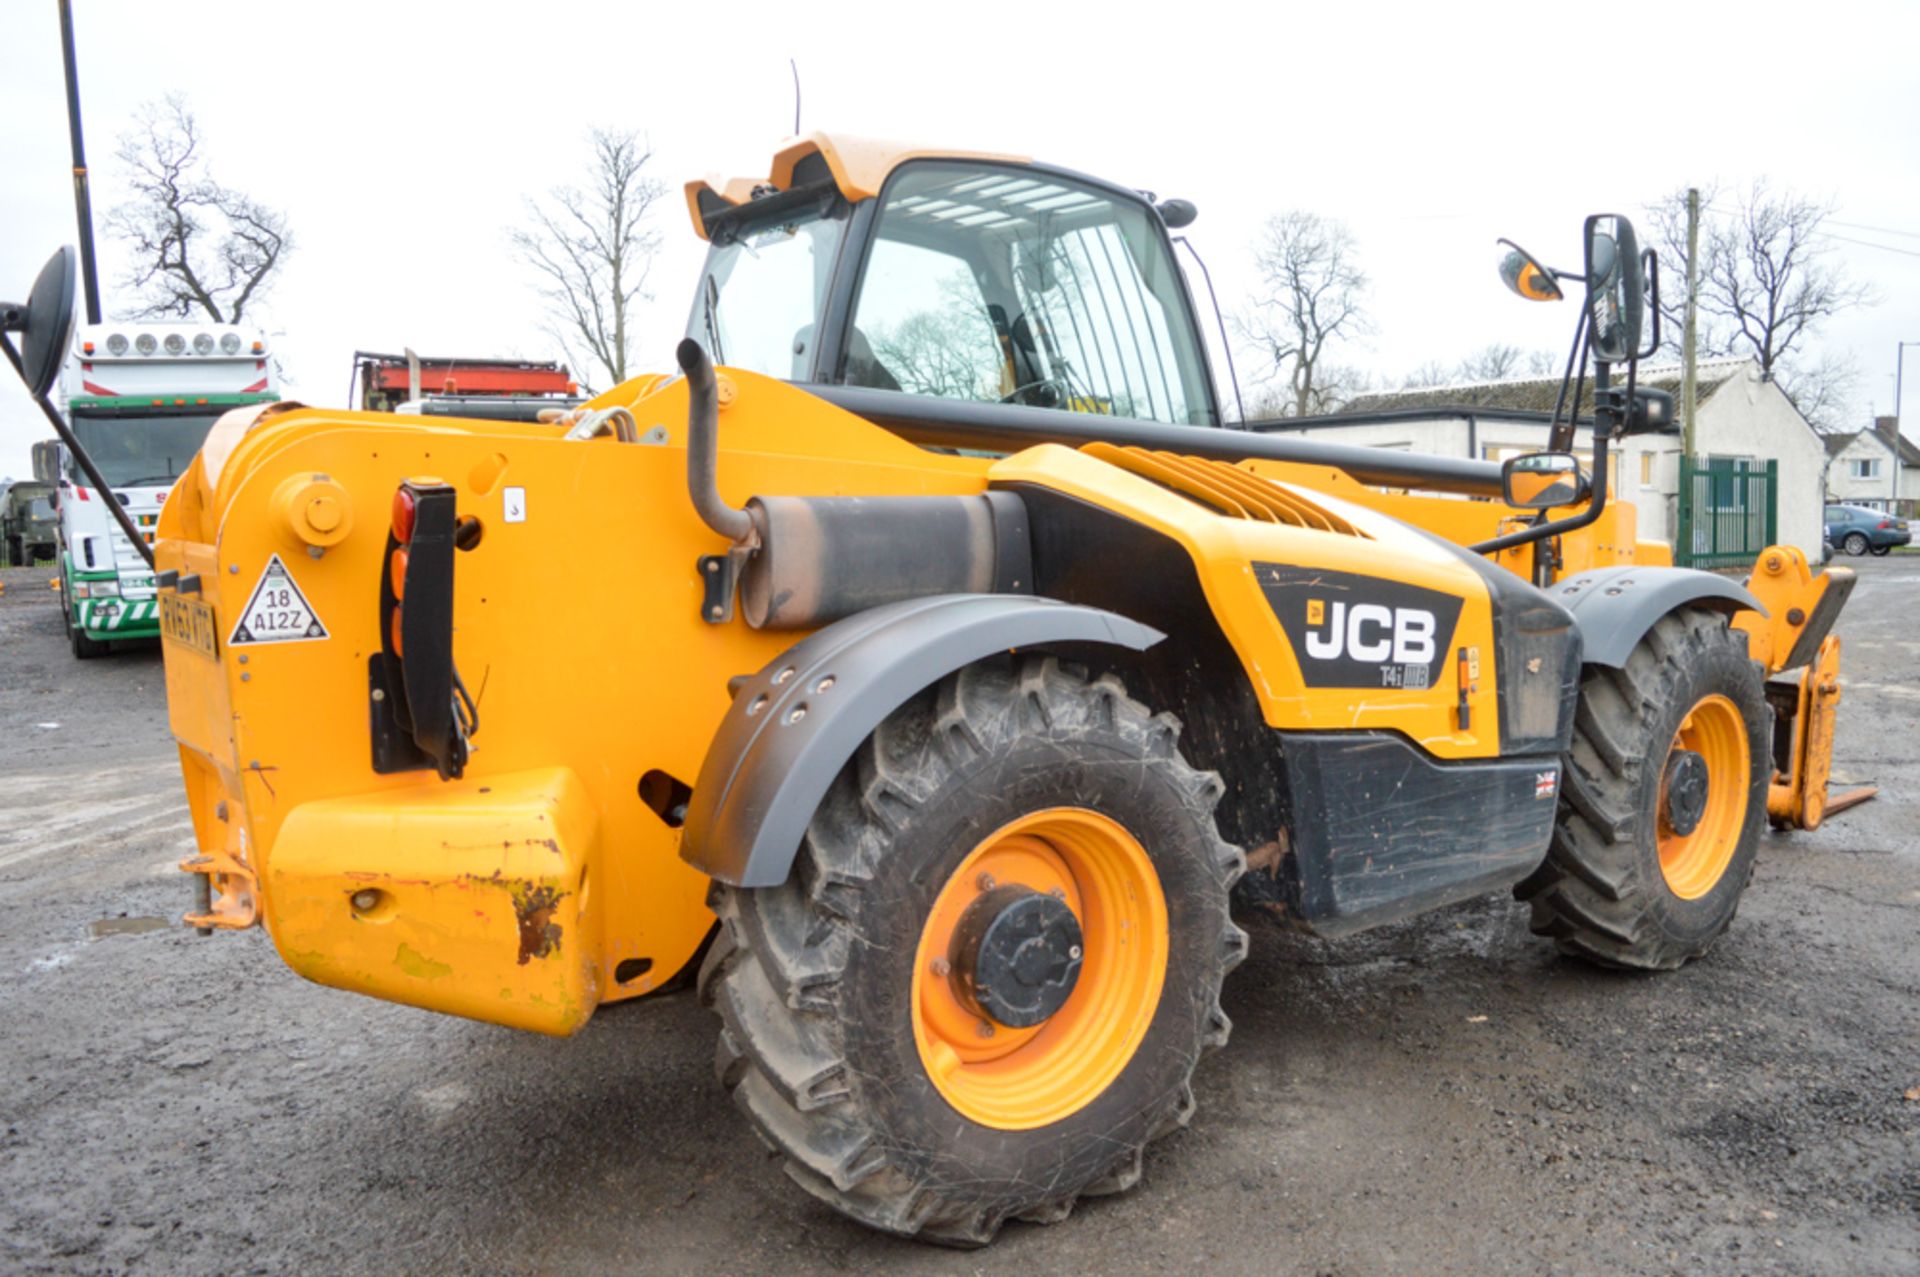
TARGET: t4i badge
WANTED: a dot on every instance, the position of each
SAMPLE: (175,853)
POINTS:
(1360,631)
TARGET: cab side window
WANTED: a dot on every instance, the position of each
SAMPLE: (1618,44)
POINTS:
(921,326)
(1016,286)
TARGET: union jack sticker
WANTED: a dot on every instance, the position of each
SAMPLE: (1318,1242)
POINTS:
(1545,784)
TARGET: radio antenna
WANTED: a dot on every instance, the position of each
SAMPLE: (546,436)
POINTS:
(795,68)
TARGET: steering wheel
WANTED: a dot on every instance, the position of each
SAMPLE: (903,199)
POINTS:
(1017,391)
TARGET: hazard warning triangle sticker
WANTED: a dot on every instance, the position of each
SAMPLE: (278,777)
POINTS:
(277,612)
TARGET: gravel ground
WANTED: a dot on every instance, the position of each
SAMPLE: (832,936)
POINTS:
(1444,1095)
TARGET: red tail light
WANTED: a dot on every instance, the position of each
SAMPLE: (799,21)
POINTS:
(1883,524)
(404,506)
(423,715)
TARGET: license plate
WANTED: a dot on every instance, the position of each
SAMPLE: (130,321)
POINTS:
(188,622)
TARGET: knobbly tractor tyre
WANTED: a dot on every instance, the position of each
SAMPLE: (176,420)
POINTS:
(983,990)
(1663,799)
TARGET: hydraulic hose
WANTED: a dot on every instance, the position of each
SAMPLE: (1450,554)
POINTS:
(703,446)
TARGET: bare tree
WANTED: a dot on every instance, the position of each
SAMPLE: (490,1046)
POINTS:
(197,245)
(1767,284)
(1426,376)
(1313,291)
(1823,389)
(591,250)
(1495,361)
(941,352)
(1544,363)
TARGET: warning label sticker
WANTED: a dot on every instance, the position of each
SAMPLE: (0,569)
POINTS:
(277,612)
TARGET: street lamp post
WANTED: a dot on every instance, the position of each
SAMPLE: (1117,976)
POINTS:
(1899,367)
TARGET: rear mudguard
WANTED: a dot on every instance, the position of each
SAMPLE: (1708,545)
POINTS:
(1615,607)
(794,725)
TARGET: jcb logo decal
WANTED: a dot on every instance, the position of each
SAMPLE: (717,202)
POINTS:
(1370,632)
(1360,631)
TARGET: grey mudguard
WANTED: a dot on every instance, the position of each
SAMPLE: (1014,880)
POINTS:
(794,725)
(1615,607)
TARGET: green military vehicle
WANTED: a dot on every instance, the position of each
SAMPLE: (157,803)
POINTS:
(29,528)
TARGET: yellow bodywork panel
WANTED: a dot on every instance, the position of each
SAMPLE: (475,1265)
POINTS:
(577,631)
(1227,553)
(1791,593)
(384,893)
(859,165)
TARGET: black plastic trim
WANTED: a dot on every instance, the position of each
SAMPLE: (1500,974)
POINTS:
(795,723)
(958,423)
(1381,831)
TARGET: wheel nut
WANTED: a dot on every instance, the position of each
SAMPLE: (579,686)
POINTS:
(941,967)
(984,882)
(365,899)
(985,1030)
(1074,952)
(1058,893)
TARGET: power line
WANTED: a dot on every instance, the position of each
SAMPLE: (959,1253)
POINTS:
(1723,211)
(1877,230)
(1867,243)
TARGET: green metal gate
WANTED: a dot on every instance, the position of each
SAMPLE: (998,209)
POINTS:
(1727,511)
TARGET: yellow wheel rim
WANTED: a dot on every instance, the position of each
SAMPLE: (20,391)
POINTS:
(1693,862)
(1019,1079)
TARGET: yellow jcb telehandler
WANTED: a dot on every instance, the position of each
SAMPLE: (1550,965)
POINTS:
(928,681)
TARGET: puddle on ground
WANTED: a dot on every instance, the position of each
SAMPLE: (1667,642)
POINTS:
(127,926)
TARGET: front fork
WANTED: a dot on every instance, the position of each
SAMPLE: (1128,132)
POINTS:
(1803,744)
(1796,632)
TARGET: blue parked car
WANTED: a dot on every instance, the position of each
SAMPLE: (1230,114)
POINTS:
(1857,529)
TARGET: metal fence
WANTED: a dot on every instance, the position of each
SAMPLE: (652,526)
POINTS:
(1727,512)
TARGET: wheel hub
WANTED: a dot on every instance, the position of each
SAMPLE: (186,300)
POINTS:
(1016,955)
(1685,785)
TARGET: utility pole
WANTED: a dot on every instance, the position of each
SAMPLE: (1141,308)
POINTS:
(82,203)
(1899,367)
(1688,336)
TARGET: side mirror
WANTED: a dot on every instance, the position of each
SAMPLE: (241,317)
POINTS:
(1616,288)
(1543,480)
(1522,272)
(45,322)
(48,465)
(1176,214)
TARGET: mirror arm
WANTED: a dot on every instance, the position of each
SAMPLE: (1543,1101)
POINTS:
(1572,523)
(79,452)
(1558,439)
(1651,260)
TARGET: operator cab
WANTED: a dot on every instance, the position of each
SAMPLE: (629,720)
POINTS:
(981,281)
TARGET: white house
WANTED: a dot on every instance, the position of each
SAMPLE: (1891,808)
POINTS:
(1741,416)
(1879,467)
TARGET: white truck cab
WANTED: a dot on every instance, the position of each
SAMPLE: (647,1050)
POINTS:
(141,398)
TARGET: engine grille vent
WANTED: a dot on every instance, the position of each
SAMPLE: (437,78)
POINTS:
(1222,488)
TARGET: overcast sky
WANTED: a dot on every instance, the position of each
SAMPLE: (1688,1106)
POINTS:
(401,139)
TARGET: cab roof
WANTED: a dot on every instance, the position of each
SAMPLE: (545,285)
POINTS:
(859,167)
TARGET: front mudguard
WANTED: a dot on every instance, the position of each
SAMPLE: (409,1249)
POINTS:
(1615,607)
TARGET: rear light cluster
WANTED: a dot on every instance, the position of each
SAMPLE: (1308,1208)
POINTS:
(428,706)
(406,509)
